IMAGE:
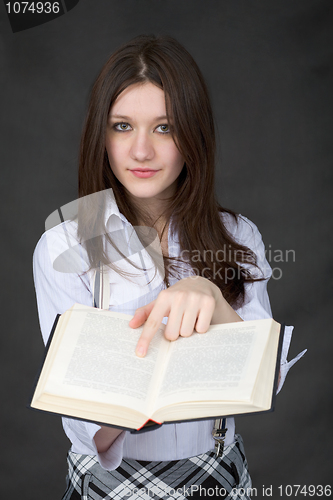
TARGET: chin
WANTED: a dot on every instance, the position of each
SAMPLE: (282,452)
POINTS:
(145,196)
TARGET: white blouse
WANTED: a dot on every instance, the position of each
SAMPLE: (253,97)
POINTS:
(57,290)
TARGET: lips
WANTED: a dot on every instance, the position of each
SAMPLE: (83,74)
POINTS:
(144,172)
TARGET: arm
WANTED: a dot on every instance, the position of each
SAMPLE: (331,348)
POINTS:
(56,292)
(257,303)
(196,302)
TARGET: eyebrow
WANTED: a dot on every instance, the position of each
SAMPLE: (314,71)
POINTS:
(128,118)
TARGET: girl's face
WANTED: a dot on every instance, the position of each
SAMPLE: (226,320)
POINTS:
(141,151)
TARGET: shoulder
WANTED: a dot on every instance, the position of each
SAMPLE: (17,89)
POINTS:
(241,229)
(245,232)
(58,246)
(59,235)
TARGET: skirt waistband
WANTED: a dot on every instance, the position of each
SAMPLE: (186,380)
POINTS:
(189,478)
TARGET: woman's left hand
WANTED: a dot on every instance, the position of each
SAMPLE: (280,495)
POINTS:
(192,303)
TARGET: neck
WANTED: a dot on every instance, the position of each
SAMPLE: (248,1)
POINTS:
(152,213)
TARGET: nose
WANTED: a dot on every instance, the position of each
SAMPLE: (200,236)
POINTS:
(142,147)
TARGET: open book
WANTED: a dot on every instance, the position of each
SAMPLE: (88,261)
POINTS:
(91,371)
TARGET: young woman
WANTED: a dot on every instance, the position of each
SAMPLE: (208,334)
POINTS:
(147,159)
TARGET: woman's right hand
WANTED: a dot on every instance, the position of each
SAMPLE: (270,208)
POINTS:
(190,304)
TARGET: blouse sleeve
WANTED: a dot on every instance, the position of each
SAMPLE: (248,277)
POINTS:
(56,292)
(256,304)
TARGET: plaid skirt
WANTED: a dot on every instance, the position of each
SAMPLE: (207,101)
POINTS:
(201,476)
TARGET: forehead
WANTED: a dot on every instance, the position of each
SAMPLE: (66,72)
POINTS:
(140,98)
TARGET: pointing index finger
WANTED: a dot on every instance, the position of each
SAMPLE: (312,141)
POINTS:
(151,326)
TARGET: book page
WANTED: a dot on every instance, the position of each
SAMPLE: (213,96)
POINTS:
(96,360)
(220,364)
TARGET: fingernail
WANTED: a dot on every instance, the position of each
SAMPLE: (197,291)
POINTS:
(140,351)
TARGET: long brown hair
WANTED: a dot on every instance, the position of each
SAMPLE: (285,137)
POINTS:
(196,215)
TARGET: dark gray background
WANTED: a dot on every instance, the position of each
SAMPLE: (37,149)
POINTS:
(268,66)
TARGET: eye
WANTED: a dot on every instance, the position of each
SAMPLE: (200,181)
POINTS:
(163,129)
(122,127)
